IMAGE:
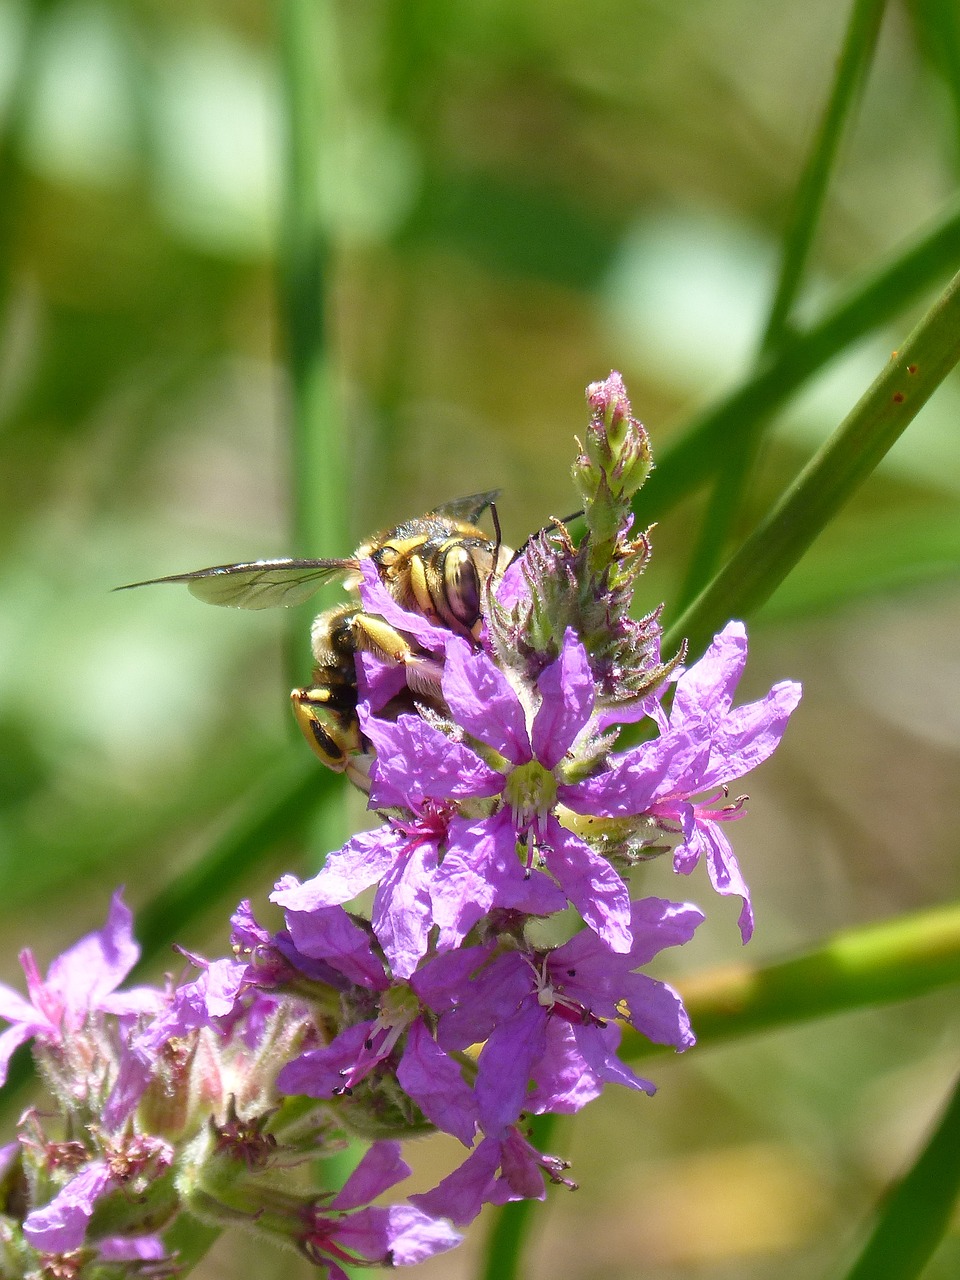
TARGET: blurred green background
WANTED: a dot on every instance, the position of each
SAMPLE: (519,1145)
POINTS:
(517,197)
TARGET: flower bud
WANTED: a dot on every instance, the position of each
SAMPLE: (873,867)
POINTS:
(617,443)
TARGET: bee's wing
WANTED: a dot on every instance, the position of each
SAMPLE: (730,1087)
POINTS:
(260,584)
(470,508)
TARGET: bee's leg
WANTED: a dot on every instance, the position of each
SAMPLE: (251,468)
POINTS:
(376,636)
(329,723)
(423,673)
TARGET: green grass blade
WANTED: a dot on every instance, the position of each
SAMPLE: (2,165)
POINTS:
(870,556)
(859,46)
(916,1213)
(687,462)
(938,28)
(832,475)
(873,965)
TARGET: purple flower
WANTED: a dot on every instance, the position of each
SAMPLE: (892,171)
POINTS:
(431,1078)
(502,1168)
(401,858)
(132,1249)
(81,981)
(528,779)
(342,1233)
(722,742)
(481,869)
(549,1018)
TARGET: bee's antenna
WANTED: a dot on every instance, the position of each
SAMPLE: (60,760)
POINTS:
(556,524)
(495,517)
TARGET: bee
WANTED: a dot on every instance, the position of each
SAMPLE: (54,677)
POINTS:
(435,565)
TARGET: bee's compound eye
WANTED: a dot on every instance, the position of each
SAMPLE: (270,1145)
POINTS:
(385,557)
(461,585)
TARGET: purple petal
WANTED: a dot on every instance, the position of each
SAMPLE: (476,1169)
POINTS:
(481,870)
(462,1194)
(14,1008)
(137,1000)
(514,585)
(246,932)
(135,1074)
(585,969)
(750,734)
(131,1249)
(629,783)
(657,923)
(97,964)
(62,1224)
(319,1073)
(725,874)
(436,1084)
(564,1081)
(706,689)
(416,762)
(483,701)
(402,911)
(364,1233)
(360,863)
(212,995)
(521,1169)
(329,934)
(377,599)
(441,982)
(414,1236)
(592,885)
(599,1048)
(657,1011)
(566,689)
(12,1039)
(378,681)
(505,1065)
(380,1169)
(493,994)
(9,1154)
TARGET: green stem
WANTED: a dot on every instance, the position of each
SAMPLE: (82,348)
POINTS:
(689,460)
(508,1235)
(752,574)
(189,1240)
(894,960)
(319,468)
(859,45)
(916,1214)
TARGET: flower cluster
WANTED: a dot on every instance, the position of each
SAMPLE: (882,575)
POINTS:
(492,978)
